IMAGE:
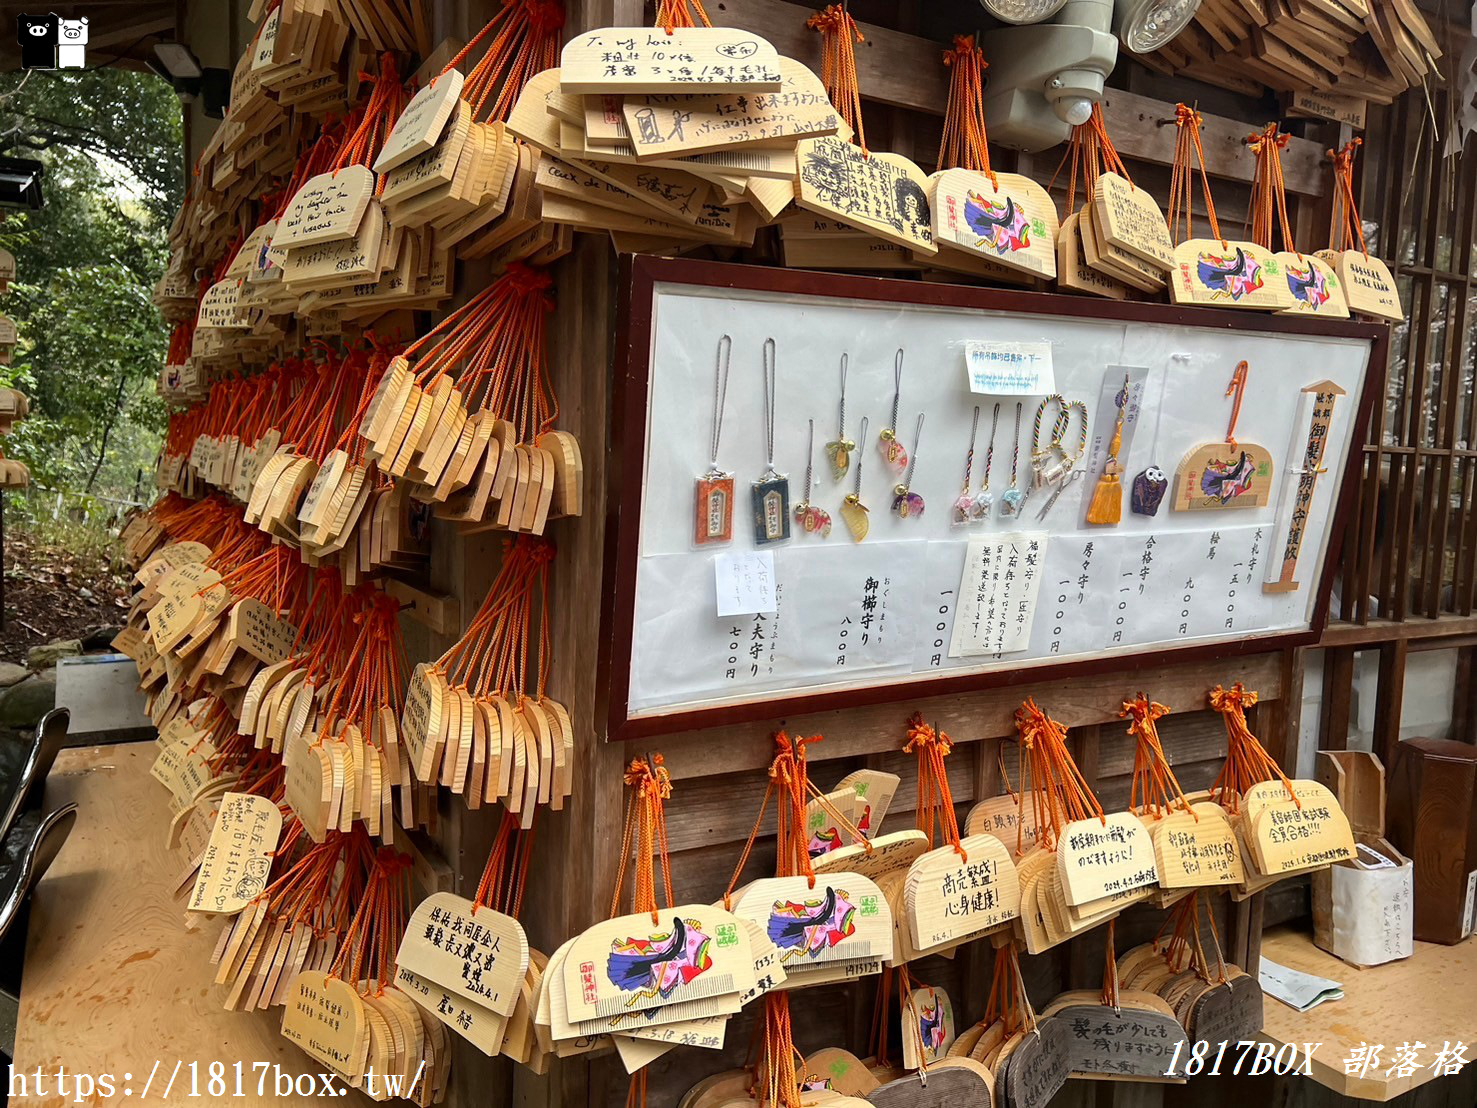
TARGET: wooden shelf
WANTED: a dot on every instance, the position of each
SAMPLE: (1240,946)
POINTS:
(114,976)
(1427,997)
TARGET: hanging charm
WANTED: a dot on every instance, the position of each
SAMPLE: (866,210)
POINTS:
(812,520)
(713,517)
(1106,508)
(853,511)
(887,442)
(1229,474)
(964,503)
(1013,499)
(771,493)
(984,500)
(905,502)
(1148,491)
(839,449)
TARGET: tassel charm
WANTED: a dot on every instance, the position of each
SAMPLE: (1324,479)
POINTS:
(1106,506)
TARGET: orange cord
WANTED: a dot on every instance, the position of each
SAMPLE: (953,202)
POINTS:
(1247,763)
(839,36)
(964,143)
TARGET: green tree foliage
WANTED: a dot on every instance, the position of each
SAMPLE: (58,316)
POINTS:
(91,341)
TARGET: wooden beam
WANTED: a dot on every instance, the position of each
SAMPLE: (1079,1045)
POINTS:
(127,34)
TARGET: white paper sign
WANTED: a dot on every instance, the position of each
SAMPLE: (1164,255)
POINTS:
(745,581)
(1010,368)
(997,594)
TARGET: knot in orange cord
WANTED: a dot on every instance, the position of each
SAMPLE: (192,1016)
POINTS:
(1144,711)
(1236,698)
(546,16)
(964,50)
(528,281)
(1030,721)
(832,18)
(650,779)
(1184,114)
(540,551)
(922,737)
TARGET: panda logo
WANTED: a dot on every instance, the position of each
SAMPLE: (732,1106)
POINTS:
(71,49)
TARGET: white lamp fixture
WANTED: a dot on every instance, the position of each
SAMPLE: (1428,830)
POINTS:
(1045,77)
(177,59)
(1146,25)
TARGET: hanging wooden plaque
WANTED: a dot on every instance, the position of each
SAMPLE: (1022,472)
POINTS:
(1008,819)
(838,1070)
(1128,217)
(874,792)
(1038,1066)
(896,850)
(325,1017)
(1014,224)
(327,207)
(1296,834)
(1230,274)
(616,60)
(842,918)
(1217,476)
(1136,1041)
(1072,270)
(1368,285)
(238,857)
(883,194)
(952,896)
(680,125)
(421,123)
(1098,858)
(1316,289)
(1197,848)
(220,308)
(928,1026)
(478,954)
(948,1085)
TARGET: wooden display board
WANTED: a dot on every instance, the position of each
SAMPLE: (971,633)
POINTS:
(669,662)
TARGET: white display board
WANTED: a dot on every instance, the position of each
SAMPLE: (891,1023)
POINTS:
(897,608)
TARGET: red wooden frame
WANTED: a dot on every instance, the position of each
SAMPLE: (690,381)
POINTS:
(639,274)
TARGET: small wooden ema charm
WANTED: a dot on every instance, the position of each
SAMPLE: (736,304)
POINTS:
(327,207)
(669,126)
(1197,848)
(1008,819)
(896,850)
(1113,260)
(1128,217)
(1034,1071)
(219,308)
(1316,289)
(823,820)
(951,1083)
(1315,410)
(1072,268)
(1137,1041)
(874,791)
(1229,474)
(928,1026)
(7,269)
(696,956)
(238,857)
(1097,858)
(477,954)
(843,917)
(1292,833)
(325,1018)
(626,60)
(1228,274)
(952,896)
(837,1070)
(421,123)
(883,194)
(1010,222)
(1369,289)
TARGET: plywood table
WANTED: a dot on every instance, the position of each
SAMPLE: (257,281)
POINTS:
(115,980)
(1429,997)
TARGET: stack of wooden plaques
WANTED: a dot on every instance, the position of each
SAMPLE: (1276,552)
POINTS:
(1362,50)
(1284,833)
(14,405)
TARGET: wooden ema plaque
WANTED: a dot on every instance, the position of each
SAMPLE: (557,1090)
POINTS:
(679,125)
(1288,834)
(695,956)
(421,123)
(1218,476)
(928,1026)
(238,857)
(1129,218)
(1316,289)
(951,1083)
(325,1018)
(1136,1041)
(328,207)
(1038,1067)
(896,850)
(1197,848)
(480,955)
(1229,274)
(839,1071)
(874,791)
(1010,821)
(1231,1010)
(623,60)
(951,897)
(1369,287)
(842,918)
(884,194)
(1072,269)
(1098,858)
(219,308)
(1014,225)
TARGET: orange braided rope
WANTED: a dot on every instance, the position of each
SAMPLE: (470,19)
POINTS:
(964,143)
(1247,763)
(839,36)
